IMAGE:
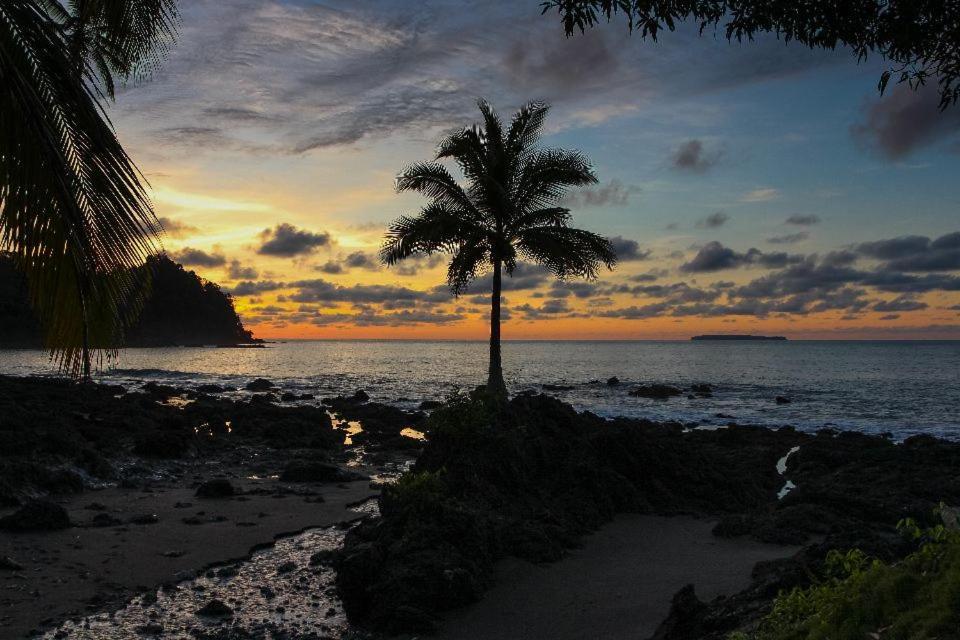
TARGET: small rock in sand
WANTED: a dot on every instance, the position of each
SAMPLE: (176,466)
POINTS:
(216,488)
(9,564)
(286,567)
(614,381)
(783,400)
(215,609)
(39,515)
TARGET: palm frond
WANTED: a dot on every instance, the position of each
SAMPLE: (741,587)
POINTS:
(469,261)
(466,148)
(434,181)
(526,126)
(567,252)
(73,209)
(547,175)
(437,229)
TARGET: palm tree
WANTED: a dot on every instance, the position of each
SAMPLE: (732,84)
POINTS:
(508,211)
(74,211)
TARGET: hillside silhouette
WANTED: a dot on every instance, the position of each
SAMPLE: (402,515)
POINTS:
(182,309)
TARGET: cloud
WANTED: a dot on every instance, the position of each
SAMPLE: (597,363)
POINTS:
(713,256)
(760,195)
(916,253)
(526,276)
(415,264)
(628,250)
(789,238)
(614,193)
(691,156)
(319,290)
(176,228)
(286,240)
(713,221)
(361,260)
(904,121)
(370,317)
(901,303)
(802,220)
(198,258)
(237,271)
(251,288)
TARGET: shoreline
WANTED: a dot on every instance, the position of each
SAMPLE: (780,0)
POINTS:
(287,465)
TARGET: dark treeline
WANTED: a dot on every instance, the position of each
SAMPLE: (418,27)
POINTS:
(182,309)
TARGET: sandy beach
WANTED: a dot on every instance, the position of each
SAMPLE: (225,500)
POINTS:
(618,586)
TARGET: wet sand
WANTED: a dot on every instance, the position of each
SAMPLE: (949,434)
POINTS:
(83,569)
(617,586)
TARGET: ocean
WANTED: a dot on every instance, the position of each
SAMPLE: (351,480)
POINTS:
(905,388)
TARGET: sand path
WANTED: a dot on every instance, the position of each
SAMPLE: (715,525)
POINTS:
(618,586)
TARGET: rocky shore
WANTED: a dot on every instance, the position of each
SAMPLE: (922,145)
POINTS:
(107,494)
(529,481)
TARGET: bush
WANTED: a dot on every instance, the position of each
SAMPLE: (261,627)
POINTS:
(917,598)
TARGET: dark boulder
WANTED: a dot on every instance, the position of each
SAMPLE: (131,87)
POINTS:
(430,405)
(360,396)
(215,609)
(166,445)
(656,391)
(701,388)
(685,620)
(260,384)
(612,382)
(38,515)
(216,488)
(782,400)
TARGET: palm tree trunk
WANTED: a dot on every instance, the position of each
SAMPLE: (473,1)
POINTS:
(495,384)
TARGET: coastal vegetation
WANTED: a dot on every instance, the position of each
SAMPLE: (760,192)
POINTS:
(179,309)
(74,210)
(509,211)
(862,597)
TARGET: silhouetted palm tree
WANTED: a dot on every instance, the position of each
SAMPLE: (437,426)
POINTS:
(73,209)
(508,210)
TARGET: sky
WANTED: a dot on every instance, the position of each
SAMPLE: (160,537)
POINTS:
(749,188)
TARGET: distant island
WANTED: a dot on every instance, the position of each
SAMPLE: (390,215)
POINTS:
(183,310)
(733,336)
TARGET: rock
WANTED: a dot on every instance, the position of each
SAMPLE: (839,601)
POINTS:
(145,518)
(656,391)
(9,564)
(166,445)
(286,396)
(216,488)
(150,629)
(557,387)
(286,567)
(612,382)
(429,405)
(105,520)
(39,515)
(327,556)
(210,388)
(685,619)
(360,396)
(260,384)
(309,471)
(782,400)
(701,388)
(215,609)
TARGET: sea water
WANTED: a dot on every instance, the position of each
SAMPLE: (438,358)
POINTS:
(905,388)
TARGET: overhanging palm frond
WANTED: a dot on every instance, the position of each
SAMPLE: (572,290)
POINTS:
(126,38)
(73,209)
(434,181)
(567,252)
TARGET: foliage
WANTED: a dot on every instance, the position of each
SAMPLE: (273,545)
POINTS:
(917,598)
(73,208)
(919,37)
